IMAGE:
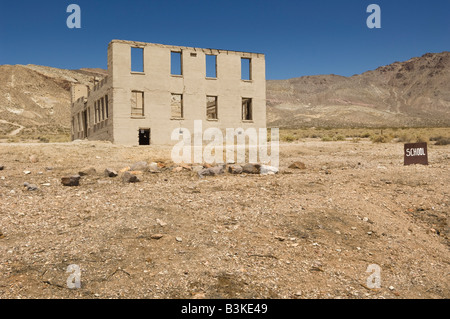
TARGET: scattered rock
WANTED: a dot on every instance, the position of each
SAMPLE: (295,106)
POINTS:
(2,167)
(27,172)
(211,171)
(177,169)
(129,177)
(268,170)
(125,169)
(297,165)
(391,288)
(179,239)
(197,168)
(156,236)
(71,180)
(161,223)
(110,173)
(139,166)
(251,168)
(154,168)
(235,169)
(1,235)
(30,187)
(87,171)
(34,159)
(280,238)
(49,168)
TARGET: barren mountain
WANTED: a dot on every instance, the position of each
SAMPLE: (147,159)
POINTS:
(411,93)
(35,99)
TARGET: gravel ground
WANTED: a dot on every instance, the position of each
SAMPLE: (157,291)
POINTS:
(303,233)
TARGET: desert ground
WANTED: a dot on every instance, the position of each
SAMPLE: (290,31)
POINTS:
(302,233)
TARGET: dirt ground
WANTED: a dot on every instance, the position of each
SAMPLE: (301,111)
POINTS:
(303,233)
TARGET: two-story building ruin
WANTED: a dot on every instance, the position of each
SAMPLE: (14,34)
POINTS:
(153,89)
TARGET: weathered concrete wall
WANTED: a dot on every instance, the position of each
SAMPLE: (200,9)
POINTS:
(158,85)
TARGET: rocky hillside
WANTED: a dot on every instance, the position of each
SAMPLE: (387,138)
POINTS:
(411,93)
(36,99)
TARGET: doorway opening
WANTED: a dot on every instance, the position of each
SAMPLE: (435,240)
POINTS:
(144,136)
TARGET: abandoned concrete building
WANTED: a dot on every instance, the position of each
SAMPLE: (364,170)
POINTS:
(153,89)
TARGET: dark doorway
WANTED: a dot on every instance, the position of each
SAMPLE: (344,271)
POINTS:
(144,137)
(85,125)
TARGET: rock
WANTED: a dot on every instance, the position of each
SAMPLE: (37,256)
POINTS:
(156,236)
(212,171)
(30,187)
(268,170)
(71,180)
(27,172)
(160,222)
(49,168)
(125,169)
(154,168)
(297,165)
(1,235)
(235,169)
(139,166)
(87,171)
(128,177)
(197,168)
(251,168)
(177,169)
(110,173)
(179,239)
(34,159)
(391,288)
(2,167)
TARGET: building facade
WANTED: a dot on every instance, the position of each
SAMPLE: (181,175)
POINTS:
(153,89)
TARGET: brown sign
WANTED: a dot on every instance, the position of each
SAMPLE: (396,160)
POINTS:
(416,153)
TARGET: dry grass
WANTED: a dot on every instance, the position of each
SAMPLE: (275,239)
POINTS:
(385,135)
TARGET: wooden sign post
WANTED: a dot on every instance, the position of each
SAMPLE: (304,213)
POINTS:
(416,153)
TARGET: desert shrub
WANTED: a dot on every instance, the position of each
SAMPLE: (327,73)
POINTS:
(339,137)
(379,139)
(326,139)
(288,138)
(442,141)
(365,135)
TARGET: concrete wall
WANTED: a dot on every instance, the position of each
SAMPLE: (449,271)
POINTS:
(158,84)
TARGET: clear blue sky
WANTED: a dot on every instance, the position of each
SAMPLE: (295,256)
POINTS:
(298,37)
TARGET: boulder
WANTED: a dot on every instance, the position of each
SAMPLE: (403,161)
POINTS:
(128,177)
(251,168)
(212,171)
(71,180)
(268,170)
(110,172)
(297,165)
(139,166)
(87,171)
(235,169)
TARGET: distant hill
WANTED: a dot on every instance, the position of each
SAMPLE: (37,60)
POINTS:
(411,93)
(36,99)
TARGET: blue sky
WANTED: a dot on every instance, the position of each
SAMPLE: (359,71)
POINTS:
(298,37)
